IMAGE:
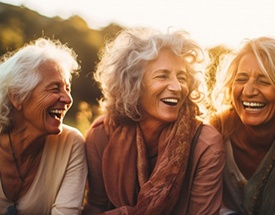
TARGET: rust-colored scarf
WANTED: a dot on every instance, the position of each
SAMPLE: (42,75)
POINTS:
(126,177)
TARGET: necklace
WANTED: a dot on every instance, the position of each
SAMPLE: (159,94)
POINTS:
(12,210)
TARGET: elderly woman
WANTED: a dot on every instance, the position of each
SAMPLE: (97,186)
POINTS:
(42,162)
(246,87)
(147,163)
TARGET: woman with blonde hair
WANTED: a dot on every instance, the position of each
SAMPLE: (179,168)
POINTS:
(245,98)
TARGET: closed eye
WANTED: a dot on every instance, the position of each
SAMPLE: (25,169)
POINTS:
(55,89)
(240,80)
(264,82)
(68,88)
(182,78)
(162,76)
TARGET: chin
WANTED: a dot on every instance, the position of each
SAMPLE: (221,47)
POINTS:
(56,131)
(170,120)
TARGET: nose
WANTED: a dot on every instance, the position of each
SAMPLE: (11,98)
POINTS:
(250,89)
(174,85)
(66,97)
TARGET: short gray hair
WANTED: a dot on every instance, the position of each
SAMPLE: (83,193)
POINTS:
(19,71)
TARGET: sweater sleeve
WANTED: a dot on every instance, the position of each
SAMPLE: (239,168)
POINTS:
(207,185)
(69,199)
(97,200)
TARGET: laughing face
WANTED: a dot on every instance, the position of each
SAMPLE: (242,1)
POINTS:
(45,109)
(165,88)
(254,95)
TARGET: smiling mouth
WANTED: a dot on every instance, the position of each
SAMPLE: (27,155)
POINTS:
(253,105)
(56,113)
(170,101)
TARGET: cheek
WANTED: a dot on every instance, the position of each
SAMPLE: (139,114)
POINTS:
(235,91)
(37,104)
(147,100)
(35,110)
(151,91)
(270,95)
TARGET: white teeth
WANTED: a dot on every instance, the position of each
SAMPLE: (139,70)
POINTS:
(253,104)
(56,111)
(170,100)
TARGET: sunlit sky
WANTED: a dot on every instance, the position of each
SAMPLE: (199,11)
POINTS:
(210,22)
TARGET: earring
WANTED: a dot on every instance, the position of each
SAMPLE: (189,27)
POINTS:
(231,109)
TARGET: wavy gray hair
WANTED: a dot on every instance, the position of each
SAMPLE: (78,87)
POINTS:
(123,60)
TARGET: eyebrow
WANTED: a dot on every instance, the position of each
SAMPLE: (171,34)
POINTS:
(247,75)
(241,73)
(168,71)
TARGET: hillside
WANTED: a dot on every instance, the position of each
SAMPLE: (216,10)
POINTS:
(19,25)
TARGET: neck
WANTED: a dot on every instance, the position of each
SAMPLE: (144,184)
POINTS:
(20,157)
(258,137)
(25,145)
(151,133)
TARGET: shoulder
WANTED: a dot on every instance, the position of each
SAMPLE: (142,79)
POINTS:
(209,150)
(209,131)
(69,130)
(69,138)
(210,139)
(96,138)
(96,133)
(66,145)
(72,133)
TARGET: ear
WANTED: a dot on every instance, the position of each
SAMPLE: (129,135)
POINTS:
(13,99)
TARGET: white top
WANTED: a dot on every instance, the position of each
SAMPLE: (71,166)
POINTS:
(59,185)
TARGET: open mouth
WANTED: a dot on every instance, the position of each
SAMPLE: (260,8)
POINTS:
(170,101)
(56,113)
(253,105)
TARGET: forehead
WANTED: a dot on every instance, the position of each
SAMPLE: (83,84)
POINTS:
(249,62)
(167,60)
(52,69)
